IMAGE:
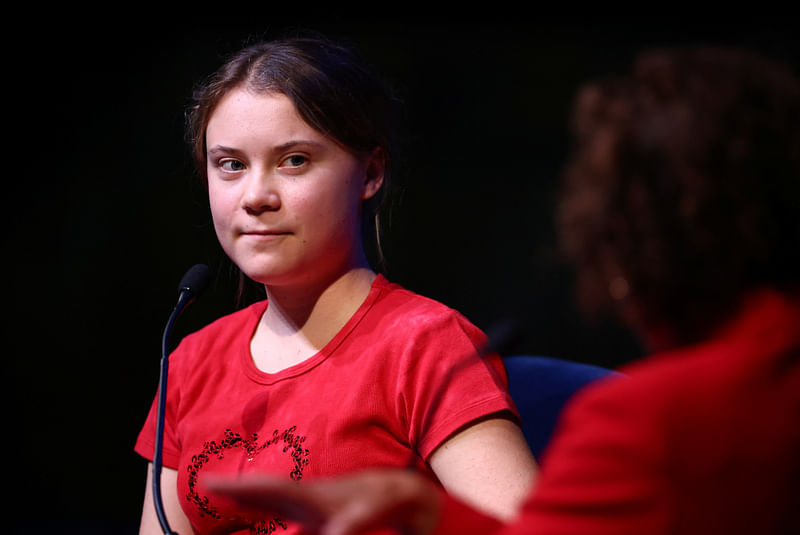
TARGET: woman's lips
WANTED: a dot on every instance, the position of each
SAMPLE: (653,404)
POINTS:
(264,234)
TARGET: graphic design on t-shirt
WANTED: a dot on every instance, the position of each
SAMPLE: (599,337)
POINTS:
(238,454)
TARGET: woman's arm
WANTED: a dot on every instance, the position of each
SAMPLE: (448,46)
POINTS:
(176,518)
(487,465)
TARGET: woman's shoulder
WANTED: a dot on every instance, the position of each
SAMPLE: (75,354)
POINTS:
(417,313)
(399,297)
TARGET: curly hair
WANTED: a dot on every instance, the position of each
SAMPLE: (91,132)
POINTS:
(683,189)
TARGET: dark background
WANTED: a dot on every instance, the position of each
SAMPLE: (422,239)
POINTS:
(105,213)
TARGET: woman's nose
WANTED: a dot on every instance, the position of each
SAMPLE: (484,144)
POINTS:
(261,194)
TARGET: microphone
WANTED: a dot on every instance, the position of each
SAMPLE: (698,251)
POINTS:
(191,286)
(503,335)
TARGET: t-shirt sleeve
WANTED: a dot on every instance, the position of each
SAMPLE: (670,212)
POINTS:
(447,384)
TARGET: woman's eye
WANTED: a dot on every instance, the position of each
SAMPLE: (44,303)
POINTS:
(231,165)
(295,160)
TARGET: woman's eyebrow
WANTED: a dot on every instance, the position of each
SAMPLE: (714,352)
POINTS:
(221,149)
(298,142)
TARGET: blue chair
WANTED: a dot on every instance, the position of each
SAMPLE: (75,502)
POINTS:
(540,386)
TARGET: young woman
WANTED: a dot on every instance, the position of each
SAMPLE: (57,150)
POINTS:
(338,369)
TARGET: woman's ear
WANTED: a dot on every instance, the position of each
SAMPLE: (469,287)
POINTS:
(375,169)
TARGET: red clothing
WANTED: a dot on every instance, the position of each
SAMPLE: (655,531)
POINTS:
(399,378)
(700,440)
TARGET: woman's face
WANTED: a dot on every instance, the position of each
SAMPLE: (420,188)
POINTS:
(285,199)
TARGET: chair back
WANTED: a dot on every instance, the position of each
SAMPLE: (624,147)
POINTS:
(541,386)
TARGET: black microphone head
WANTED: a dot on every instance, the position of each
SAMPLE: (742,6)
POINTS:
(195,280)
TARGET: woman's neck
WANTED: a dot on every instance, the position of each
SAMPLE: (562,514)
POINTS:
(316,312)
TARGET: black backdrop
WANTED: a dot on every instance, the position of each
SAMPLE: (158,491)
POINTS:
(104,213)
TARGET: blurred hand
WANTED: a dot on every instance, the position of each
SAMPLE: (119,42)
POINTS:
(346,505)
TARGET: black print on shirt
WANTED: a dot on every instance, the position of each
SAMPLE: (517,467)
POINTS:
(292,443)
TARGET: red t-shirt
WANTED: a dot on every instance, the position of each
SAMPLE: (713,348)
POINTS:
(399,378)
(701,440)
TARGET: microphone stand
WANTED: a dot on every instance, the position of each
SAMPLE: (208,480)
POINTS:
(191,285)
